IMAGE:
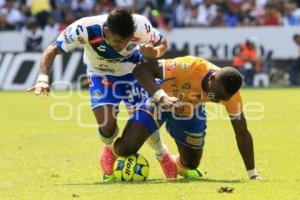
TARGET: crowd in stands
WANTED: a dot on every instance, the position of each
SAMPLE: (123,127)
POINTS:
(254,68)
(166,14)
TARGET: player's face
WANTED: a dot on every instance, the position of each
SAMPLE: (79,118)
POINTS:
(297,40)
(117,42)
(216,91)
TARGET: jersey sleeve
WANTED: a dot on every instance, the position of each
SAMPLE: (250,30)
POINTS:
(145,33)
(180,67)
(74,35)
(234,106)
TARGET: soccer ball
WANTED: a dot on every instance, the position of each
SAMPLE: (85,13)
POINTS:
(131,168)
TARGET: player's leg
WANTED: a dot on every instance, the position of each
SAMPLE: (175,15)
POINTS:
(107,122)
(136,95)
(189,135)
(105,106)
(137,130)
(108,131)
(165,158)
(188,159)
(140,127)
(133,137)
(156,144)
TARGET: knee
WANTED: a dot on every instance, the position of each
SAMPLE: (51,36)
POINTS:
(108,137)
(108,129)
(123,149)
(109,126)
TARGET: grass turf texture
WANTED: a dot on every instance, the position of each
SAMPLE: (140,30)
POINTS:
(43,158)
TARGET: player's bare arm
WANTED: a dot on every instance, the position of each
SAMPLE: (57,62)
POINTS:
(47,59)
(155,51)
(146,74)
(245,144)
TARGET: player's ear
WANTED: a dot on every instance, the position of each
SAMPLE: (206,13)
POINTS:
(212,77)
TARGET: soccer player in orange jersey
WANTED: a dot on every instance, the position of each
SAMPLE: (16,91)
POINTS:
(194,81)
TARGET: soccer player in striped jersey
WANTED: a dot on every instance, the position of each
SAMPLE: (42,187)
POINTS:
(113,45)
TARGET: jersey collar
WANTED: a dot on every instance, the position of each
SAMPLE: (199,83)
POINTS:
(204,82)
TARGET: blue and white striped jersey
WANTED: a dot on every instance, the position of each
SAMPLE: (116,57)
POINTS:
(99,56)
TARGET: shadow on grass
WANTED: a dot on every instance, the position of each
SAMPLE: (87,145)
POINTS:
(156,181)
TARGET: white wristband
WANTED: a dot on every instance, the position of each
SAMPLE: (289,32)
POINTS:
(159,94)
(252,173)
(43,78)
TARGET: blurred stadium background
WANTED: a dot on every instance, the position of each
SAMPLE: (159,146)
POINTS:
(214,29)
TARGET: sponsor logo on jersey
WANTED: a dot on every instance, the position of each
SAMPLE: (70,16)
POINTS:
(105,68)
(111,60)
(171,65)
(135,39)
(115,60)
(96,40)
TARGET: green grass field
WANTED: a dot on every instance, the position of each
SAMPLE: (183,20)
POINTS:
(46,158)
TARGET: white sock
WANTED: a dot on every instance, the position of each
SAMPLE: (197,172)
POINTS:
(155,142)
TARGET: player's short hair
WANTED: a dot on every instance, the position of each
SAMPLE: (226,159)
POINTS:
(295,36)
(231,78)
(120,22)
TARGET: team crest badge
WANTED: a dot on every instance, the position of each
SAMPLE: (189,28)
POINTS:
(96,95)
(185,66)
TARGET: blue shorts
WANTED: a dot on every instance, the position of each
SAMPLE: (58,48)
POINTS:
(111,90)
(188,131)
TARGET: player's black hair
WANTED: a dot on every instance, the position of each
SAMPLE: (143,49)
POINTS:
(120,22)
(232,79)
(295,36)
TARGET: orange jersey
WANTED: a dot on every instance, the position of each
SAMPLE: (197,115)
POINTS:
(182,78)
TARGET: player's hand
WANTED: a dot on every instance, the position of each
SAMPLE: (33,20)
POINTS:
(41,86)
(149,51)
(169,102)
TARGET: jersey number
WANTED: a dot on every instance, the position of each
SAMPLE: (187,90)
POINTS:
(79,28)
(147,27)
